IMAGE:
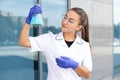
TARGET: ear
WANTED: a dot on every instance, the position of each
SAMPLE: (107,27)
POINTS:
(79,27)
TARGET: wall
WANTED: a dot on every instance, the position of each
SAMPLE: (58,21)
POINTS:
(101,35)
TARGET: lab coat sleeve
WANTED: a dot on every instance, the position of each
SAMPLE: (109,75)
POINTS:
(87,62)
(37,43)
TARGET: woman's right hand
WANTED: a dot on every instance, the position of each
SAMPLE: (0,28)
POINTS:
(34,10)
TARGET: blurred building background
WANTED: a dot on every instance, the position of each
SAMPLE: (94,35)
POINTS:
(17,63)
(116,12)
(101,28)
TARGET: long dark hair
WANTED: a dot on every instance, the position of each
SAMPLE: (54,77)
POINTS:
(84,22)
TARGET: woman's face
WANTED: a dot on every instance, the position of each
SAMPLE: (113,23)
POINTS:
(70,22)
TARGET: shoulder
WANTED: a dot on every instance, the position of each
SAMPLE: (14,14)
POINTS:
(81,41)
(47,36)
(85,43)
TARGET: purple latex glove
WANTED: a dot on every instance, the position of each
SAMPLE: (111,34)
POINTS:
(34,10)
(66,62)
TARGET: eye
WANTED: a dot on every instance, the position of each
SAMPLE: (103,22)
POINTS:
(71,20)
(65,17)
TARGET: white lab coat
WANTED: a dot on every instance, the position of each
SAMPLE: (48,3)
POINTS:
(53,46)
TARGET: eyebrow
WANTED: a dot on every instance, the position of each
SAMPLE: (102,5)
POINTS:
(69,18)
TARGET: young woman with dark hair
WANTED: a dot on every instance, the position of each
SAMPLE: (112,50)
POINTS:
(68,55)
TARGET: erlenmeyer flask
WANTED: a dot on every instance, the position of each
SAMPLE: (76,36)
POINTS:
(37,20)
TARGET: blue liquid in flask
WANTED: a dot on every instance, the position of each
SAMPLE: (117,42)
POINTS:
(37,20)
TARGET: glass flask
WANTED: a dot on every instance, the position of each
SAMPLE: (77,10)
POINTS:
(37,19)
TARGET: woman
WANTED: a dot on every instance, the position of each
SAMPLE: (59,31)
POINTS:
(68,56)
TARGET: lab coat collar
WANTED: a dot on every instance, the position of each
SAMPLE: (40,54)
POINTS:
(59,36)
(78,40)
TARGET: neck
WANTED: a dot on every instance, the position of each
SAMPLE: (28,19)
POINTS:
(69,36)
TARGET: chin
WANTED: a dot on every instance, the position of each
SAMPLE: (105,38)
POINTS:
(64,30)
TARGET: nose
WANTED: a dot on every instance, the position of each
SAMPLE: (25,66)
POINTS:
(65,21)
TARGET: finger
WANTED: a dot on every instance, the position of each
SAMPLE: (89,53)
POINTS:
(64,57)
(61,65)
(36,9)
(58,60)
(61,61)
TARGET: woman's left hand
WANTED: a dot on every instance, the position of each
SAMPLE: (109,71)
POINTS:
(66,62)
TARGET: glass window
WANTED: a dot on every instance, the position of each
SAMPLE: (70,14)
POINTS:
(52,16)
(16,63)
(116,39)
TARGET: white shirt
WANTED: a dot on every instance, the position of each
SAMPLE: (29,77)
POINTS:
(53,46)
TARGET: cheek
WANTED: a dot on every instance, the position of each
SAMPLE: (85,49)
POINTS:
(64,22)
(74,27)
